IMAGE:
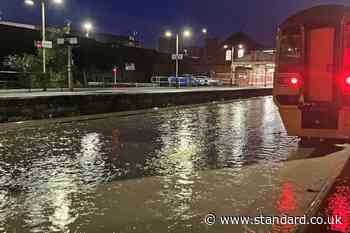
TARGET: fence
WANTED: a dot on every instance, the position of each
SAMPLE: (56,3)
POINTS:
(249,79)
(20,80)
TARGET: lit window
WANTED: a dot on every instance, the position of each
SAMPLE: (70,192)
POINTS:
(240,53)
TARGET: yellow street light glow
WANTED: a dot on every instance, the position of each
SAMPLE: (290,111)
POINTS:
(168,34)
(87,26)
(187,33)
(29,2)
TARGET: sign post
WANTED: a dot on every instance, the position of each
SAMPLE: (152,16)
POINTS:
(177,57)
(70,42)
(115,70)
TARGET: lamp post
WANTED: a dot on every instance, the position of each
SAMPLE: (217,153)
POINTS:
(186,33)
(43,23)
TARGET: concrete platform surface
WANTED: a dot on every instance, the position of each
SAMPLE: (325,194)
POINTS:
(21,93)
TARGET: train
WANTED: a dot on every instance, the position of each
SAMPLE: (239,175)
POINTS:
(312,77)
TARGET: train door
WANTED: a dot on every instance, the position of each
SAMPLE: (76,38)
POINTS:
(320,64)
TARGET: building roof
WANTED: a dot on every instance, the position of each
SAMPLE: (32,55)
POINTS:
(99,37)
(18,25)
(242,38)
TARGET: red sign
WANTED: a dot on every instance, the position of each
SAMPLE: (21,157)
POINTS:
(115,71)
(39,44)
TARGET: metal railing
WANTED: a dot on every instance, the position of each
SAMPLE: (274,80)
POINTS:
(159,81)
(21,80)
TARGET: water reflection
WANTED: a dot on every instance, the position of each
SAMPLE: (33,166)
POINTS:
(178,154)
(287,206)
(339,206)
(50,175)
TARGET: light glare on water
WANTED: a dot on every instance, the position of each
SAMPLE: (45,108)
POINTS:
(143,173)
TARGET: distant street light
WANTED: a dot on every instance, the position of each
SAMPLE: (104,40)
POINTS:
(186,33)
(168,34)
(88,27)
(204,31)
(29,2)
(43,19)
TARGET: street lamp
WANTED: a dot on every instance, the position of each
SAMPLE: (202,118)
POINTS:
(88,27)
(168,34)
(43,18)
(29,2)
(186,33)
(204,31)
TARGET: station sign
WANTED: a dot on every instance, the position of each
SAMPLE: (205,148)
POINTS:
(130,66)
(228,55)
(43,44)
(69,41)
(177,57)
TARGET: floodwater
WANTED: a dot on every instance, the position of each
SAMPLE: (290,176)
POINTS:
(161,171)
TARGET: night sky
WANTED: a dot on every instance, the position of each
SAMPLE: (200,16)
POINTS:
(151,18)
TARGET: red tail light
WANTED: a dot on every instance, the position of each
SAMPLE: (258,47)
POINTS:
(294,82)
(291,80)
(345,82)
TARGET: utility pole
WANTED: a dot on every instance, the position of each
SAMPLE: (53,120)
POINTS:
(186,33)
(69,61)
(232,64)
(115,70)
(177,60)
(70,75)
(43,17)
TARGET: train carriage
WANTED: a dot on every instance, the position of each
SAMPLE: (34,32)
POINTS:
(312,79)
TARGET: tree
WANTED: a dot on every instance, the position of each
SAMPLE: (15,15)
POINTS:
(27,65)
(56,59)
(31,65)
(22,63)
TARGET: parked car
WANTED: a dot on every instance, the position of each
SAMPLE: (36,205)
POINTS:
(214,82)
(191,80)
(202,80)
(184,81)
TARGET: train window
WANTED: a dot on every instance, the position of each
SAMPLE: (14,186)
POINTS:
(291,46)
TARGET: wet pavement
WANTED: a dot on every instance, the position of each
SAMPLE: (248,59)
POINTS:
(160,171)
(335,203)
